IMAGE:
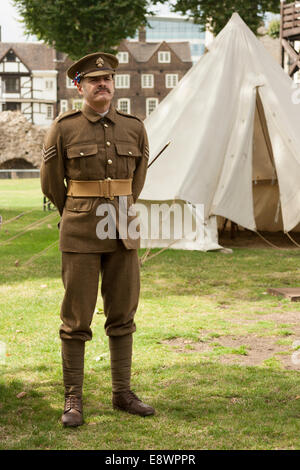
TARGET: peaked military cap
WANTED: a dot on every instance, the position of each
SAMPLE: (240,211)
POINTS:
(93,65)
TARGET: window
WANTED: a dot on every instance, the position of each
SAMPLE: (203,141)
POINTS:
(122,81)
(77,104)
(171,80)
(197,49)
(63,106)
(123,57)
(59,56)
(124,105)
(11,84)
(172,29)
(11,56)
(164,57)
(151,104)
(49,111)
(147,81)
(49,84)
(11,107)
(70,83)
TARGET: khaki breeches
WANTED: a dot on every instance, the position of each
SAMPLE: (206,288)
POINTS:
(120,287)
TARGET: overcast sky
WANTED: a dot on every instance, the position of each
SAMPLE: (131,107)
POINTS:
(12,29)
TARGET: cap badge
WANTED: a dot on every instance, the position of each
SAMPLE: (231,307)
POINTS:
(99,62)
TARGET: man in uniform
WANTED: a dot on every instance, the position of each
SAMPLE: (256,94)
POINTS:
(95,156)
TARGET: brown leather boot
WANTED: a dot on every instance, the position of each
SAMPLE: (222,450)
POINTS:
(128,401)
(72,415)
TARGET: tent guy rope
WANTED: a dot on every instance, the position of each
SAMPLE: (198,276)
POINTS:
(17,217)
(29,227)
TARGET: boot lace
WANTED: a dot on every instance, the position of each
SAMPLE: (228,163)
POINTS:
(73,402)
(132,396)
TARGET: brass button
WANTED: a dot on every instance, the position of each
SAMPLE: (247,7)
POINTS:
(81,154)
(105,125)
(109,161)
(130,153)
(108,143)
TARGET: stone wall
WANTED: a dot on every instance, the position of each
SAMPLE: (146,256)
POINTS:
(19,139)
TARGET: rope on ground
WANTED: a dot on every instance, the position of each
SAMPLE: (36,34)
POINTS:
(267,241)
(147,258)
(17,217)
(37,255)
(292,240)
(145,255)
(29,227)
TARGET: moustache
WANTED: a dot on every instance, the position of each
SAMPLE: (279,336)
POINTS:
(102,89)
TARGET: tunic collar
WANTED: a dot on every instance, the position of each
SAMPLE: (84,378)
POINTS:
(93,116)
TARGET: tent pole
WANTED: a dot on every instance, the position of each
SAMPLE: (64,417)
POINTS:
(158,155)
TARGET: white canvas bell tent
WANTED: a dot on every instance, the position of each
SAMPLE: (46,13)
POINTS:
(234,128)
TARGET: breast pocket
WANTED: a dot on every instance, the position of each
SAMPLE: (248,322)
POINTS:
(129,154)
(82,162)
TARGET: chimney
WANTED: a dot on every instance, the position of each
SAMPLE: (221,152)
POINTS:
(142,34)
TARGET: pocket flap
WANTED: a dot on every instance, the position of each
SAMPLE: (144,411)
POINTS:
(82,150)
(127,149)
(78,204)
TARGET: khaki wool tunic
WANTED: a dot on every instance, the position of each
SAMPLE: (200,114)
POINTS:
(81,145)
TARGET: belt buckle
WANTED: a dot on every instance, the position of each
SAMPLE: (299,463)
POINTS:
(107,188)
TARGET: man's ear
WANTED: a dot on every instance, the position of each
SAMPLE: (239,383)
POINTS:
(79,88)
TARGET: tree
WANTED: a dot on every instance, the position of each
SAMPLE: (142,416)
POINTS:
(79,27)
(274,29)
(216,13)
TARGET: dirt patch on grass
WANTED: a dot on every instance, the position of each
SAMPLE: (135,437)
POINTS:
(289,320)
(290,317)
(246,350)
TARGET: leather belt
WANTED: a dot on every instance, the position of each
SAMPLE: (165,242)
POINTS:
(107,188)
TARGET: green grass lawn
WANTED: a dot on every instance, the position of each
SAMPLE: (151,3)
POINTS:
(212,351)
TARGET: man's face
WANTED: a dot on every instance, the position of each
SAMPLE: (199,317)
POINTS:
(97,91)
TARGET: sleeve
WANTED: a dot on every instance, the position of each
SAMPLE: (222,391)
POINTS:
(52,171)
(141,167)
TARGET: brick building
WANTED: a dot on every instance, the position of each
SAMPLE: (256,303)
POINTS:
(33,77)
(146,74)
